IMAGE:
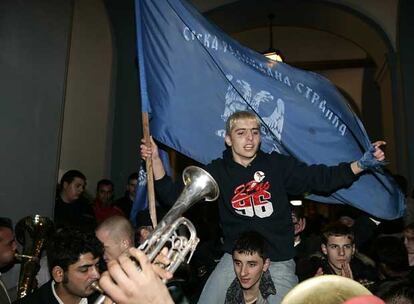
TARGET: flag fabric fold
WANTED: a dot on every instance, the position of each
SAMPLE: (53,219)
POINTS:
(196,76)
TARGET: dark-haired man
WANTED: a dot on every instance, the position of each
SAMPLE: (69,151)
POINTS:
(339,257)
(71,209)
(73,258)
(125,203)
(253,283)
(304,245)
(103,207)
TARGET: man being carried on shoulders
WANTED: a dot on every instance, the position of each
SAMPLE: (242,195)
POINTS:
(254,188)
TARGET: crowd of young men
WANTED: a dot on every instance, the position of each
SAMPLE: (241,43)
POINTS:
(256,219)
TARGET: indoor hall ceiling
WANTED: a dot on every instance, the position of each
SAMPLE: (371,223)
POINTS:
(366,28)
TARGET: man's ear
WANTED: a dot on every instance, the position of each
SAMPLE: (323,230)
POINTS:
(324,250)
(303,223)
(125,244)
(266,265)
(227,139)
(58,274)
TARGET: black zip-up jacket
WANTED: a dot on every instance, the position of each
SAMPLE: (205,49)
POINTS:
(256,197)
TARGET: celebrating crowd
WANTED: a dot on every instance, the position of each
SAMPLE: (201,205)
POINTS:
(261,248)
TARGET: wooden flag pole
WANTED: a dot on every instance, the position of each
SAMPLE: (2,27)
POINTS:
(150,173)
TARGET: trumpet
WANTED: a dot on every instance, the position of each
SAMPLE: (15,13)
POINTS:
(199,185)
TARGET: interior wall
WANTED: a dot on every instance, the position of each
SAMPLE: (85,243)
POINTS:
(406,77)
(351,81)
(387,112)
(382,12)
(127,111)
(371,105)
(88,115)
(34,37)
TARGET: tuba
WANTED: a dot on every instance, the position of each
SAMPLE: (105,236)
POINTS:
(325,289)
(31,233)
(199,185)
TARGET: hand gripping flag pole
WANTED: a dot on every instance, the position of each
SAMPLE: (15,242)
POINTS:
(150,174)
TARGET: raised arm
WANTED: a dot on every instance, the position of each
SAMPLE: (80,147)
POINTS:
(166,189)
(371,159)
(152,151)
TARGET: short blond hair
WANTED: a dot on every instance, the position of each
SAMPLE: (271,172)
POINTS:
(118,228)
(233,118)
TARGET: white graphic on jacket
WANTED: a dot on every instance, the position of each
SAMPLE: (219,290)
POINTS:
(252,198)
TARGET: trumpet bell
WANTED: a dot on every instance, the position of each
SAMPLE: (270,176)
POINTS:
(202,182)
(325,289)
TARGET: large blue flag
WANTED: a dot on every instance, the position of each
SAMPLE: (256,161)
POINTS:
(193,76)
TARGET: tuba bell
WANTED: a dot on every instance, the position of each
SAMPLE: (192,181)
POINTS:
(32,233)
(325,289)
(199,185)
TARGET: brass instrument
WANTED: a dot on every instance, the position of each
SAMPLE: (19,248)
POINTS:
(31,233)
(325,289)
(199,185)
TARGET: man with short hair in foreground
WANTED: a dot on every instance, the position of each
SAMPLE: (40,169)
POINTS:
(126,284)
(117,236)
(253,283)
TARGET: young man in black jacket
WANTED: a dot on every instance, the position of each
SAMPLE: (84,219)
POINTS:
(253,196)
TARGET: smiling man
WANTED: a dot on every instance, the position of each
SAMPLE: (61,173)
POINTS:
(73,258)
(254,188)
(253,283)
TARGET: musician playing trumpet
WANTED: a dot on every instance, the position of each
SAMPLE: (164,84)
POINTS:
(254,188)
(73,258)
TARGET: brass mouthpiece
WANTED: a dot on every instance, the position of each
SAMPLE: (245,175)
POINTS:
(95,286)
